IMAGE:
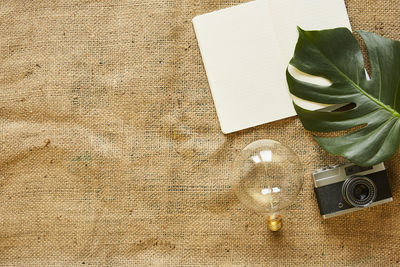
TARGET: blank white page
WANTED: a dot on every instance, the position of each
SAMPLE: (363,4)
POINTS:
(243,66)
(309,15)
(244,55)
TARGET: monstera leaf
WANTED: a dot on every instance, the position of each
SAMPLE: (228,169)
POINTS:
(335,55)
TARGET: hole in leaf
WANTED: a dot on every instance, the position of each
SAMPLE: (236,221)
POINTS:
(309,105)
(305,77)
(346,107)
(317,80)
(363,47)
(341,132)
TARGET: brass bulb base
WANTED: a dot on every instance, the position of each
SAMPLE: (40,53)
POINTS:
(274,223)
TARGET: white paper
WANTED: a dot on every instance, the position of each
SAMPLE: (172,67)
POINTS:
(246,49)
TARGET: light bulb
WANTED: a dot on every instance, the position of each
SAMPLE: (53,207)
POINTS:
(267,177)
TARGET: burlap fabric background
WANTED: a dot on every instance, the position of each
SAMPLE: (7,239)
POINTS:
(111,152)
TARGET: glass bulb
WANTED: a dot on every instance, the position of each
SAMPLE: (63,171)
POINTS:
(267,177)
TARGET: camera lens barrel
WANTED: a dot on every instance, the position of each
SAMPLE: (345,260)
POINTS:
(359,191)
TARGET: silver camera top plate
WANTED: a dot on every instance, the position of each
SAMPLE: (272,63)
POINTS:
(337,173)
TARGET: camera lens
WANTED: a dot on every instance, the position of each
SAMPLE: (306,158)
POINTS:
(359,191)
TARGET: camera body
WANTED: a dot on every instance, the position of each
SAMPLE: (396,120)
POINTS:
(346,188)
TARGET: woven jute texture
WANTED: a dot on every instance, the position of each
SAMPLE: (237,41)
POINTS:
(111,152)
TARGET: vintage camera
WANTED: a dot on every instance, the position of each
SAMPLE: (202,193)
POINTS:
(347,188)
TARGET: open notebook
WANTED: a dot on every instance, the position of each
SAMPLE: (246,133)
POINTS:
(246,50)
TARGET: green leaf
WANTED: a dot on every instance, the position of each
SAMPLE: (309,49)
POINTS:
(335,55)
